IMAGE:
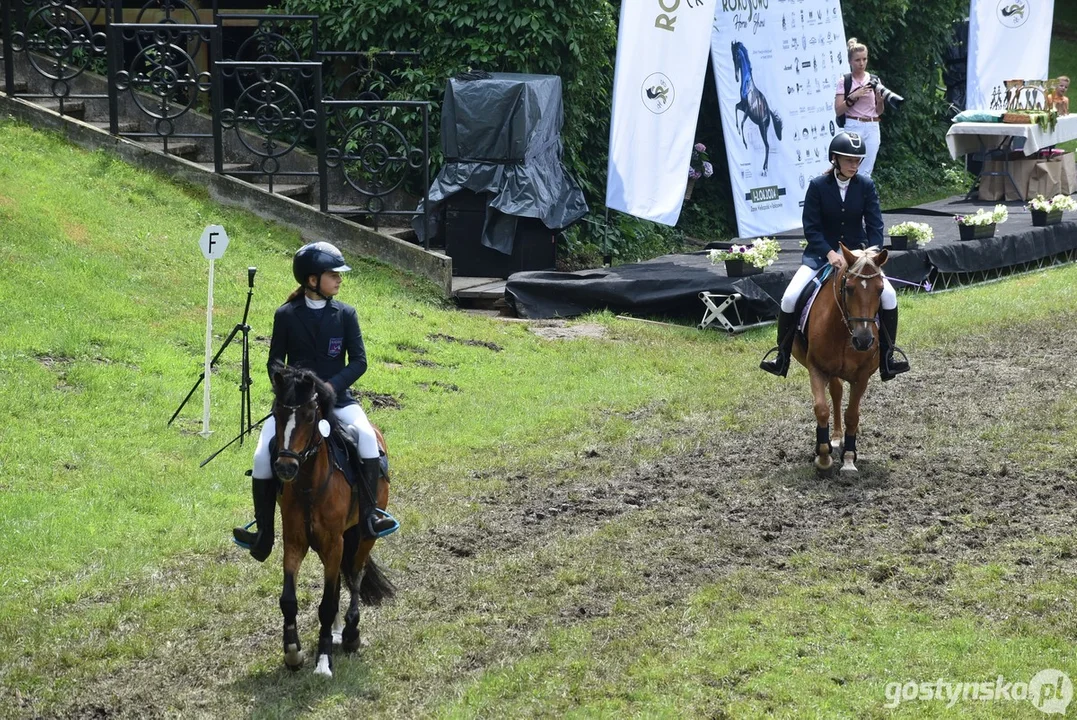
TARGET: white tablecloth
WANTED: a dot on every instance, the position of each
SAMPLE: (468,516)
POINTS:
(964,138)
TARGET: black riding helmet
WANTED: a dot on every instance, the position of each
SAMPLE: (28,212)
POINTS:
(315,259)
(847,143)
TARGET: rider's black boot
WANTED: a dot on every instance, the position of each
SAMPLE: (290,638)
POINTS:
(260,543)
(372,523)
(787,326)
(889,368)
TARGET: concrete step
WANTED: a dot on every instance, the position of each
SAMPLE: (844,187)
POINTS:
(72,108)
(227,167)
(123,126)
(20,87)
(181,148)
(303,192)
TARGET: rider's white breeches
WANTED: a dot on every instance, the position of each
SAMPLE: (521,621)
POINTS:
(804,275)
(351,418)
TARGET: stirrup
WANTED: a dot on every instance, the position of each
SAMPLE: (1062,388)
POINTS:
(774,366)
(389,530)
(889,371)
(237,541)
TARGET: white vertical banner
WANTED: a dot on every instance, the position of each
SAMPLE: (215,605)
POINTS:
(657,87)
(1008,40)
(776,66)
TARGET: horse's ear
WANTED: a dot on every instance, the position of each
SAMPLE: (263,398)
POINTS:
(850,259)
(881,257)
(276,375)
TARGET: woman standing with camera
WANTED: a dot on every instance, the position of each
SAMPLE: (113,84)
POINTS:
(859,99)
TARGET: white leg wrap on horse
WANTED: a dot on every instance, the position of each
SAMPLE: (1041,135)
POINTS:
(338,628)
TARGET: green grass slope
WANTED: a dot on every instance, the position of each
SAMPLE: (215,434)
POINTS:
(121,595)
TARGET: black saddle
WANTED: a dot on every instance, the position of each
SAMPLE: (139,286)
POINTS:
(345,456)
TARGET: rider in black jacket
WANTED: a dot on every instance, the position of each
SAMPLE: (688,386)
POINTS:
(313,330)
(840,206)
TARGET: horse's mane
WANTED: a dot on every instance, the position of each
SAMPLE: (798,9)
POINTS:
(865,257)
(290,377)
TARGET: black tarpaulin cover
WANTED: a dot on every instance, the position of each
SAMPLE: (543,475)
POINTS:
(670,285)
(502,135)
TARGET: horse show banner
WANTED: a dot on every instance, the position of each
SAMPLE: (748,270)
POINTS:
(1008,40)
(657,89)
(776,65)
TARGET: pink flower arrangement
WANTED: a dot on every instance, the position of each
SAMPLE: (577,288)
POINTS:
(699,166)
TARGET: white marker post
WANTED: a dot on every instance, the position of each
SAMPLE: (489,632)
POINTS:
(214,242)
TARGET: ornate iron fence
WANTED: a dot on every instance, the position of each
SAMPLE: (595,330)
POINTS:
(58,43)
(275,109)
(372,150)
(269,119)
(161,80)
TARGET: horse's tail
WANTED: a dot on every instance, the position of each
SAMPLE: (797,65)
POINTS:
(375,587)
(777,124)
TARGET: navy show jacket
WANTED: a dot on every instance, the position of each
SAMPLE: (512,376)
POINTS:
(319,341)
(857,221)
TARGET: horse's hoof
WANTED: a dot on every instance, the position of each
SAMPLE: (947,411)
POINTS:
(848,468)
(293,657)
(323,668)
(823,462)
(352,642)
(338,637)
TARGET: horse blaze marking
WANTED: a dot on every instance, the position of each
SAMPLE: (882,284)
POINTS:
(664,21)
(863,283)
(289,428)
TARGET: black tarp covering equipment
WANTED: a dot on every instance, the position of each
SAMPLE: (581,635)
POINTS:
(501,134)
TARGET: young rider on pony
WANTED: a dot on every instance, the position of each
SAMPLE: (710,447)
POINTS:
(837,206)
(313,331)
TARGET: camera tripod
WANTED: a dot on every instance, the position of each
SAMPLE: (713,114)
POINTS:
(243,329)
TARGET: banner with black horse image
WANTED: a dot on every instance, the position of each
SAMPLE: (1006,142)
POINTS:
(776,66)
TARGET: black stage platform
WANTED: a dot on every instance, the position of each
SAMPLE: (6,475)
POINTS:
(686,285)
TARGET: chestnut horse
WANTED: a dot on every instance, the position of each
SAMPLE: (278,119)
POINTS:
(319,511)
(843,345)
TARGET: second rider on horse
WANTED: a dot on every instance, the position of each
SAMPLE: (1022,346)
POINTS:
(840,206)
(312,330)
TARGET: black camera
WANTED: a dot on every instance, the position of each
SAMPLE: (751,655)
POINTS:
(892,98)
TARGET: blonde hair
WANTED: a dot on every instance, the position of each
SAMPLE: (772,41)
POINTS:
(855,46)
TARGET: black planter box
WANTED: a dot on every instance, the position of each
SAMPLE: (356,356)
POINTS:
(740,268)
(902,242)
(1042,218)
(976,232)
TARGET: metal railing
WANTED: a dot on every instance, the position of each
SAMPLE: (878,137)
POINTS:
(265,114)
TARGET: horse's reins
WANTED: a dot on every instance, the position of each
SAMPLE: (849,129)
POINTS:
(842,305)
(315,437)
(311,494)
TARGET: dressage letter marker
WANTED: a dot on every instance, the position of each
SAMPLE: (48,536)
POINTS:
(214,242)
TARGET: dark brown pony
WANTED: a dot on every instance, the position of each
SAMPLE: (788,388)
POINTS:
(843,345)
(318,511)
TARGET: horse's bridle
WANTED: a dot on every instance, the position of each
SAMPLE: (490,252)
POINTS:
(315,437)
(843,306)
